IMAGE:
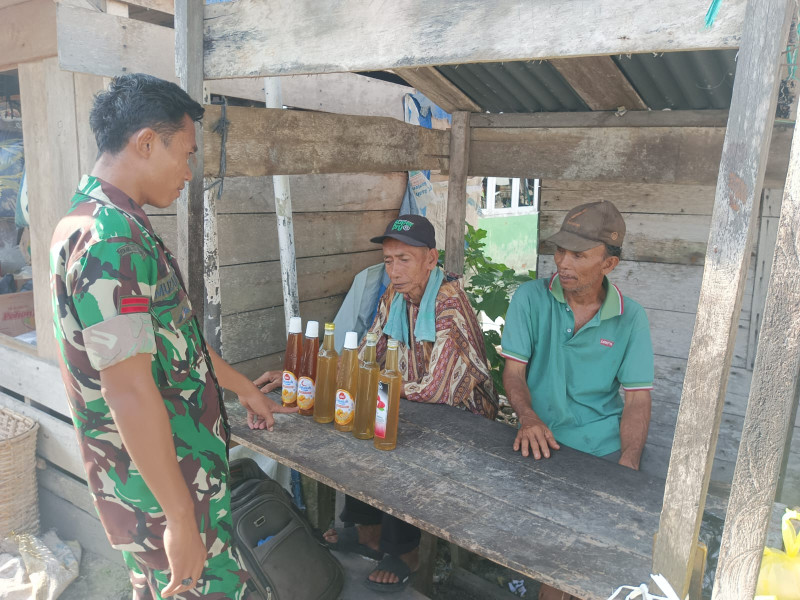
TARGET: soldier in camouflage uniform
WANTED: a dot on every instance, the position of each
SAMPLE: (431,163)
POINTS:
(142,384)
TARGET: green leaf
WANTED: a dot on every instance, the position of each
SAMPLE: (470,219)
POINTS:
(495,304)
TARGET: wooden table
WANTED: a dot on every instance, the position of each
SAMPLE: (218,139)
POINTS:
(579,523)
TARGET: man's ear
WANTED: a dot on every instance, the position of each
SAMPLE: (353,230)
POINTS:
(610,264)
(433,257)
(144,141)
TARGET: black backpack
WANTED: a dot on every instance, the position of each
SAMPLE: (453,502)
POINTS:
(276,542)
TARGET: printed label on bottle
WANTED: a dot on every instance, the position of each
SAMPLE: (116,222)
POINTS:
(305,393)
(344,407)
(381,412)
(289,389)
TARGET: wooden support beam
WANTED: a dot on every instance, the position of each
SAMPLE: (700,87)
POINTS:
(251,38)
(281,142)
(29,32)
(599,82)
(741,174)
(680,155)
(770,416)
(457,193)
(438,88)
(655,118)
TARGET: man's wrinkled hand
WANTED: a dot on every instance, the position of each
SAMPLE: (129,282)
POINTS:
(186,554)
(534,437)
(260,410)
(269,381)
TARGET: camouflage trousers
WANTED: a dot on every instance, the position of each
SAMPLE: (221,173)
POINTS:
(223,578)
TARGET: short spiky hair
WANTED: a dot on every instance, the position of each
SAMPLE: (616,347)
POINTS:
(135,101)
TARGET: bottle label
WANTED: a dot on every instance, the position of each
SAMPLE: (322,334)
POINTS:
(381,410)
(305,393)
(289,389)
(344,407)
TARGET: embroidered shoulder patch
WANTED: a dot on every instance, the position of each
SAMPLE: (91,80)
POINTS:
(134,304)
(608,343)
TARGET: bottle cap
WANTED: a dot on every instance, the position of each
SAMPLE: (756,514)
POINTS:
(295,325)
(372,339)
(392,343)
(351,340)
(329,327)
(312,329)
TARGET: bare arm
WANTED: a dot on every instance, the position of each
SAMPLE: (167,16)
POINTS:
(141,417)
(533,433)
(259,407)
(634,426)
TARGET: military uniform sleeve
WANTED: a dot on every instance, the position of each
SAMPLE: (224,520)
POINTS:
(517,341)
(636,371)
(111,289)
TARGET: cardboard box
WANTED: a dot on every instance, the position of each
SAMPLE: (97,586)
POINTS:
(16,313)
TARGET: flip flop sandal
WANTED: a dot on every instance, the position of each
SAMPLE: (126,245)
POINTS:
(393,565)
(348,543)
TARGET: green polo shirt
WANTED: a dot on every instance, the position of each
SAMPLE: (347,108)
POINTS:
(574,379)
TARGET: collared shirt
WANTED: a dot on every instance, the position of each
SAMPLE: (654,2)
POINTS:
(452,369)
(574,378)
(117,292)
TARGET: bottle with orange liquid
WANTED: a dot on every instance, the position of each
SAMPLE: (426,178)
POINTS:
(291,362)
(327,361)
(387,410)
(367,390)
(346,383)
(306,383)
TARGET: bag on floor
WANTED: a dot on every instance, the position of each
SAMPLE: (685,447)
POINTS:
(780,571)
(276,542)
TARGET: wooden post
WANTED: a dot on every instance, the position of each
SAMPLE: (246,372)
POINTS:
(741,174)
(770,409)
(457,193)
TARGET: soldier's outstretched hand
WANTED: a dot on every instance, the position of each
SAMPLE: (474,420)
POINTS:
(261,408)
(269,381)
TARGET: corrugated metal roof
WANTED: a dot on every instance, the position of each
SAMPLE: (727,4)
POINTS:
(676,80)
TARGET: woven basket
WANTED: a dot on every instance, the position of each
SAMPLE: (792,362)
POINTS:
(19,506)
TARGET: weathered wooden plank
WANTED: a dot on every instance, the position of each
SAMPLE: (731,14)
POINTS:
(254,367)
(274,141)
(29,32)
(457,193)
(628,197)
(599,82)
(23,372)
(262,332)
(254,286)
(766,433)
(741,175)
(250,38)
(608,118)
(56,441)
(438,88)
(165,6)
(543,521)
(674,239)
(682,155)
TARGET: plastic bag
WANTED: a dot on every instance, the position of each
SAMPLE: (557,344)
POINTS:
(780,571)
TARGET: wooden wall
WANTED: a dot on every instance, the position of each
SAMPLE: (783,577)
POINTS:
(334,218)
(662,268)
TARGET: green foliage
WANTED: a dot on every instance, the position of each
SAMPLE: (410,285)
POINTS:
(489,286)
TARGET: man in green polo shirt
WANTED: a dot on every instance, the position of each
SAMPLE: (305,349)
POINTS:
(572,341)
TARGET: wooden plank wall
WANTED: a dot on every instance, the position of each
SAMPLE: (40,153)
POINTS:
(334,218)
(662,268)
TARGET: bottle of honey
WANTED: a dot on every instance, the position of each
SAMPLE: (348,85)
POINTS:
(306,383)
(291,362)
(367,390)
(387,410)
(346,383)
(327,361)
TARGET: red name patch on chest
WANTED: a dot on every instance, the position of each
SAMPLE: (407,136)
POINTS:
(134,304)
(608,343)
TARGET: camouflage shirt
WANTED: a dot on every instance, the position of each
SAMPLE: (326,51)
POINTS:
(117,292)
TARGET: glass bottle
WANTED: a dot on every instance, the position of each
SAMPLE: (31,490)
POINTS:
(346,383)
(387,410)
(306,384)
(327,361)
(367,390)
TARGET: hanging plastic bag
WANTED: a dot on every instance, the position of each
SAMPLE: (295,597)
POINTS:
(780,571)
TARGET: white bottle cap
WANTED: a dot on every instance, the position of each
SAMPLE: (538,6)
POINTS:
(351,340)
(392,343)
(312,329)
(295,325)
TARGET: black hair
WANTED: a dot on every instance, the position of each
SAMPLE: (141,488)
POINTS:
(613,251)
(135,101)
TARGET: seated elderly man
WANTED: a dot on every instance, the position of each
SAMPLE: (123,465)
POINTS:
(571,342)
(442,360)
